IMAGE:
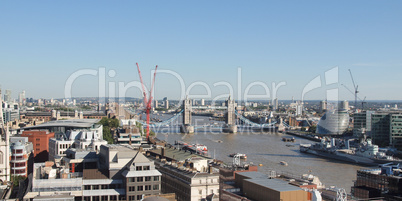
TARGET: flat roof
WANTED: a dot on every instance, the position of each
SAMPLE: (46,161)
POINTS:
(253,175)
(274,184)
(177,154)
(76,123)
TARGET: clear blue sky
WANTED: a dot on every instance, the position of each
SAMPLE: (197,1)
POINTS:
(43,42)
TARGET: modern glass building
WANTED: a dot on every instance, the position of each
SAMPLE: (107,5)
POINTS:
(333,122)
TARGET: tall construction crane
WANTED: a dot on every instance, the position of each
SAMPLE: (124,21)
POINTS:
(147,102)
(355,87)
(363,100)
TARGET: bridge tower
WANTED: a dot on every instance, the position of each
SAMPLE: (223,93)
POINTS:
(230,117)
(187,127)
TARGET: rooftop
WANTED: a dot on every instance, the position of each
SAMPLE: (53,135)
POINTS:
(275,184)
(177,154)
(253,175)
(76,123)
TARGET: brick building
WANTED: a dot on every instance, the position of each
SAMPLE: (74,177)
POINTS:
(40,141)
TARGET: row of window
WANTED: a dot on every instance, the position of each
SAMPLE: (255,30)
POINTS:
(133,197)
(64,146)
(212,181)
(141,188)
(142,168)
(18,151)
(105,186)
(142,179)
(18,164)
(200,191)
(17,157)
(19,171)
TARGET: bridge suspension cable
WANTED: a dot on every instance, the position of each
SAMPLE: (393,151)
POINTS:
(245,120)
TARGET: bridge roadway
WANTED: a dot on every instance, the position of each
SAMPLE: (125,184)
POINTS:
(201,124)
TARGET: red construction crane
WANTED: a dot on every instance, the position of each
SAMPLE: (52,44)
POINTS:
(147,102)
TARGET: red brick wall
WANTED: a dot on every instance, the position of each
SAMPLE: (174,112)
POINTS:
(40,141)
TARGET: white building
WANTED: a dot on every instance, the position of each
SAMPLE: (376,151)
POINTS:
(4,147)
(129,133)
(80,138)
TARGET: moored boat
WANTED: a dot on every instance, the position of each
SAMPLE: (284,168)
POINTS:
(241,156)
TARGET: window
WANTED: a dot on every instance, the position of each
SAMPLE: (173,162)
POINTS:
(200,181)
(200,192)
(131,188)
(212,180)
(113,197)
(212,191)
(131,179)
(95,187)
(147,178)
(140,179)
(132,197)
(104,198)
(139,197)
(156,178)
(146,168)
(156,187)
(104,187)
(87,187)
(138,168)
(148,187)
(140,188)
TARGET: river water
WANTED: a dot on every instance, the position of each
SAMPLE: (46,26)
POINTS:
(267,149)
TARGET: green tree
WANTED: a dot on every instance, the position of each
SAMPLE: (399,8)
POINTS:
(16,180)
(312,128)
(107,135)
(108,124)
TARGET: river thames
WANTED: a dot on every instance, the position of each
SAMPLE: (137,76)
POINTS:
(267,149)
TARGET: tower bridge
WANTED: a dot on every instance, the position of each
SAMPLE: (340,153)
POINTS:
(233,119)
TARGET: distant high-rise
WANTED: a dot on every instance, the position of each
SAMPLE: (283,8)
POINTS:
(275,104)
(4,147)
(1,115)
(166,102)
(323,106)
(344,105)
(202,102)
(156,104)
(299,109)
(7,96)
(21,99)
(40,102)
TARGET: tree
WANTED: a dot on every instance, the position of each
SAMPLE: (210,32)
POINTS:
(16,180)
(312,128)
(107,135)
(107,125)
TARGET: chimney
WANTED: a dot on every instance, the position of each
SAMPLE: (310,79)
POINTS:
(162,152)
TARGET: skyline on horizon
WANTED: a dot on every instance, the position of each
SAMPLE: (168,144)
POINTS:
(44,43)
